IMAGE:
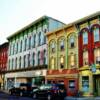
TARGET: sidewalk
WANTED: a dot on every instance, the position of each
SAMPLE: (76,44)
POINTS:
(5,91)
(82,98)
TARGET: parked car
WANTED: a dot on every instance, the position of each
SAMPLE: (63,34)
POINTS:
(23,90)
(14,91)
(50,92)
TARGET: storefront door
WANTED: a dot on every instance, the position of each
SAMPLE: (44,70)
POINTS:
(98,86)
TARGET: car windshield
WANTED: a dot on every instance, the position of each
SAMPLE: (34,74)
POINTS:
(46,86)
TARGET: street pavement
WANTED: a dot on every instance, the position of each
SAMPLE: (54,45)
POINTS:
(82,98)
(5,96)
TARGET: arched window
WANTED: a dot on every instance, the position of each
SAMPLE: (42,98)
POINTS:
(44,39)
(13,48)
(24,62)
(85,37)
(52,63)
(30,42)
(85,58)
(44,59)
(97,55)
(33,59)
(39,41)
(38,57)
(21,46)
(96,34)
(34,44)
(61,62)
(25,44)
(12,63)
(61,44)
(16,63)
(28,60)
(20,62)
(9,64)
(71,60)
(17,48)
(52,47)
(72,41)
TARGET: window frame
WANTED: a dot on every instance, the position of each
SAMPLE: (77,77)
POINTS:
(85,37)
(96,34)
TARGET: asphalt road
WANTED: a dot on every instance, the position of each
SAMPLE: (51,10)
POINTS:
(4,96)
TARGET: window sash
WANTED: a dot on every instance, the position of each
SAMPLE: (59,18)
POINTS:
(96,34)
(72,60)
(85,38)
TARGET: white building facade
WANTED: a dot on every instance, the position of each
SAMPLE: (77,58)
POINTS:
(27,58)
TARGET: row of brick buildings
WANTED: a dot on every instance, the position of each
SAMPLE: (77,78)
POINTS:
(47,50)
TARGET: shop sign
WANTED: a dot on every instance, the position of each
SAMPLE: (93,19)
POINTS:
(93,68)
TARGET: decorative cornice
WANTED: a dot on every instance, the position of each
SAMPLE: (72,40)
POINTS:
(40,67)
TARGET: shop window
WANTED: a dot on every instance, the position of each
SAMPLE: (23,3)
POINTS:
(85,83)
(39,80)
(85,37)
(85,58)
(96,34)
(71,84)
(97,55)
(72,44)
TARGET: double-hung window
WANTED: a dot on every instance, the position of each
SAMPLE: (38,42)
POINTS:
(96,34)
(85,37)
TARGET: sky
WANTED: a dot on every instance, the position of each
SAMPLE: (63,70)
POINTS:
(15,14)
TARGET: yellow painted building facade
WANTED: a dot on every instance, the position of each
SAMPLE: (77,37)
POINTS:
(63,58)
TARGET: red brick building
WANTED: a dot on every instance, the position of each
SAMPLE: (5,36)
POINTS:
(3,61)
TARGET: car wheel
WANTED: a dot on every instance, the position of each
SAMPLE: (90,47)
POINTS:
(49,97)
(21,94)
(10,92)
(34,96)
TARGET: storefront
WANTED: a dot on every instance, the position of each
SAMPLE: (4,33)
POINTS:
(89,82)
(67,77)
(34,77)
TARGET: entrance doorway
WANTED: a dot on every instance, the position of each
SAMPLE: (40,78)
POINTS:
(96,81)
